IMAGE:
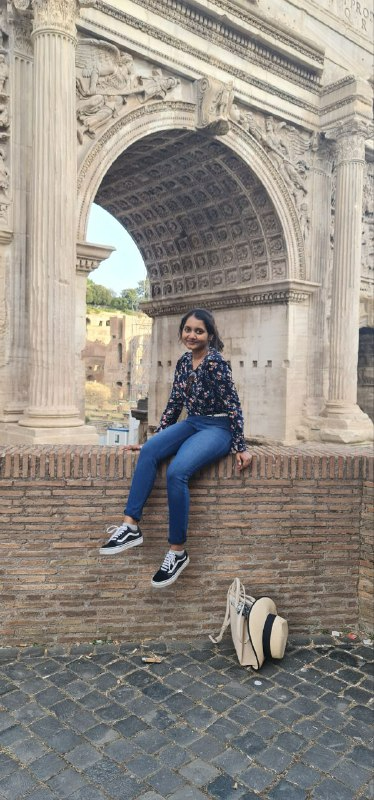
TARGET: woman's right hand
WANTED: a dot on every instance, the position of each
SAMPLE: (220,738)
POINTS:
(132,447)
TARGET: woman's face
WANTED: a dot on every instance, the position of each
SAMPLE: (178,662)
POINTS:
(195,336)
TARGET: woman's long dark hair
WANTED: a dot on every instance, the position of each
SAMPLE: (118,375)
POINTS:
(207,318)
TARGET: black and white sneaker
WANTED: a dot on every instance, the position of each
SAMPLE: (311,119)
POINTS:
(121,538)
(170,569)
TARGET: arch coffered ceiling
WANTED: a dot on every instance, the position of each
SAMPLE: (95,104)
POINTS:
(209,214)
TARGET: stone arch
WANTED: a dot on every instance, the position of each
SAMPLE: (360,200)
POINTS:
(249,162)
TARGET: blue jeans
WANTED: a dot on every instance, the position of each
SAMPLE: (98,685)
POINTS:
(195,442)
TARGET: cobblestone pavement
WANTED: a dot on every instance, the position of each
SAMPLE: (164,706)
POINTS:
(94,722)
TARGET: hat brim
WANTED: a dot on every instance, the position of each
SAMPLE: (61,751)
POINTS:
(278,633)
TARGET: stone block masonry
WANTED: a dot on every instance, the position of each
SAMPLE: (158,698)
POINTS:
(297,526)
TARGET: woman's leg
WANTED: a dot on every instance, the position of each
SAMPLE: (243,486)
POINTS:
(162,445)
(206,445)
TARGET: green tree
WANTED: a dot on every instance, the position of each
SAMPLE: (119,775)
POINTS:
(98,295)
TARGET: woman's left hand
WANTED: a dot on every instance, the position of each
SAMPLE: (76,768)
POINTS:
(243,460)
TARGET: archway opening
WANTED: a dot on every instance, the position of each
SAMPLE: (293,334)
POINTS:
(200,216)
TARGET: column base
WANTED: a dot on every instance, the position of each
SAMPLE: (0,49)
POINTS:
(14,434)
(338,423)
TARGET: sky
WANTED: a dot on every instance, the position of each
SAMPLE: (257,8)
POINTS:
(125,267)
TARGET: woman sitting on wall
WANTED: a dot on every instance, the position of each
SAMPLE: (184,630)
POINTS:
(213,427)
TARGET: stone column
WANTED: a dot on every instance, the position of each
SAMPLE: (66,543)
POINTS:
(52,415)
(319,242)
(345,422)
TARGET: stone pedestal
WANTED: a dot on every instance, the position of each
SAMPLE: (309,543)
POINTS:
(342,420)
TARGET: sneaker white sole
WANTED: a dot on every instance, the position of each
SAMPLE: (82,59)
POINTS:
(112,551)
(173,578)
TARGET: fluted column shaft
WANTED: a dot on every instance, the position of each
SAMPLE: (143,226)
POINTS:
(344,325)
(53,226)
(320,251)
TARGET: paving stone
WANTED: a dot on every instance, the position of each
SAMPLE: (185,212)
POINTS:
(320,757)
(335,741)
(303,776)
(290,742)
(87,793)
(287,791)
(149,742)
(257,778)
(224,729)
(7,765)
(232,761)
(43,794)
(225,788)
(330,789)
(187,793)
(362,755)
(14,699)
(27,750)
(174,756)
(199,772)
(82,756)
(65,740)
(362,714)
(122,749)
(17,784)
(274,758)
(351,773)
(165,781)
(101,734)
(46,726)
(265,727)
(142,765)
(12,734)
(249,744)
(200,717)
(47,766)
(66,782)
(207,746)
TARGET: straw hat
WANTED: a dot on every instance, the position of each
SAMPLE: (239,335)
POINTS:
(267,630)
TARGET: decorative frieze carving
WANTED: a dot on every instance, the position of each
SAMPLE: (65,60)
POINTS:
(367,255)
(289,149)
(4,121)
(107,80)
(214,100)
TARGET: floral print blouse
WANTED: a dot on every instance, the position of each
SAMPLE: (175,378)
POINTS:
(207,390)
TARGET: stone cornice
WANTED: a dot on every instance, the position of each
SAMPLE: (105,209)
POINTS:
(90,256)
(302,65)
(283,292)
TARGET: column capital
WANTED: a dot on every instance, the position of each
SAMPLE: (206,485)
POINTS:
(57,15)
(350,136)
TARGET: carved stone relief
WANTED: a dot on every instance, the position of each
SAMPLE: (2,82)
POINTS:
(368,222)
(288,148)
(214,102)
(4,122)
(107,81)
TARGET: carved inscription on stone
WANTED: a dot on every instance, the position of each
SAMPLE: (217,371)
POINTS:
(107,80)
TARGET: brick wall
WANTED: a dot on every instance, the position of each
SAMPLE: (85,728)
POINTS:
(296,527)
